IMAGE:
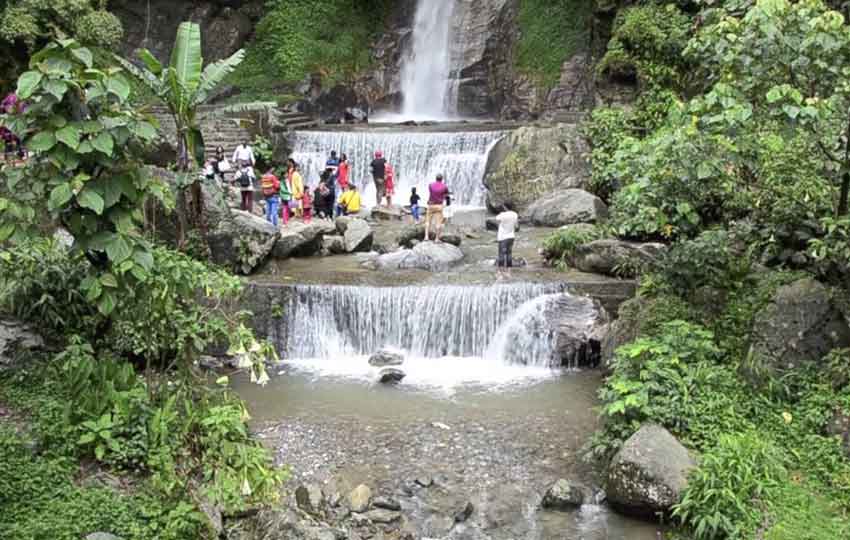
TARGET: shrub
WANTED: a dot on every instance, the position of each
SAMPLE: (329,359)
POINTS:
(560,246)
(607,129)
(726,494)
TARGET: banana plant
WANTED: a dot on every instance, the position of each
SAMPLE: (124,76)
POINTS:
(183,86)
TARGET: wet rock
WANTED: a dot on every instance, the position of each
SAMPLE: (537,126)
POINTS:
(799,326)
(242,242)
(386,357)
(357,234)
(299,239)
(334,245)
(391,375)
(540,160)
(567,207)
(624,329)
(431,256)
(424,481)
(383,213)
(17,338)
(605,256)
(309,498)
(280,523)
(649,473)
(463,514)
(412,234)
(382,515)
(563,495)
(359,498)
(387,503)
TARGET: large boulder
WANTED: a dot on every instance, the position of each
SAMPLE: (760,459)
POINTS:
(567,207)
(606,256)
(799,326)
(431,256)
(17,338)
(558,330)
(531,162)
(624,329)
(242,242)
(356,233)
(416,233)
(562,495)
(299,239)
(649,473)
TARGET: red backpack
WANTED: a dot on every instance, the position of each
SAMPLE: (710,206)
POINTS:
(270,185)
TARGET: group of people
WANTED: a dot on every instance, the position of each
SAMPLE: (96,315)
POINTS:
(336,195)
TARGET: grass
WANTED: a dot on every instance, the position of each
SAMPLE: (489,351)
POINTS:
(552,31)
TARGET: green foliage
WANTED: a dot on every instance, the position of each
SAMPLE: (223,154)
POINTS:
(734,478)
(551,32)
(296,38)
(264,153)
(87,176)
(671,379)
(832,251)
(183,87)
(30,21)
(716,258)
(608,129)
(560,246)
(40,499)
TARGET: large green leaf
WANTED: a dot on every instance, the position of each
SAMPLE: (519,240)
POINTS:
(60,195)
(186,56)
(83,55)
(195,140)
(89,198)
(70,135)
(103,143)
(144,76)
(118,86)
(118,250)
(42,141)
(27,83)
(150,61)
(215,73)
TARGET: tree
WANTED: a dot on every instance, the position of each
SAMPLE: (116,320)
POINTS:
(786,66)
(85,173)
(183,86)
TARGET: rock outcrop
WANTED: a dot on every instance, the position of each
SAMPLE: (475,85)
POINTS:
(386,357)
(649,473)
(416,233)
(359,498)
(608,256)
(567,207)
(799,326)
(431,256)
(242,242)
(357,234)
(17,338)
(299,239)
(532,162)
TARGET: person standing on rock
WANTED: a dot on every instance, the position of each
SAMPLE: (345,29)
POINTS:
(296,185)
(245,180)
(507,221)
(389,183)
(344,173)
(285,200)
(379,171)
(244,152)
(414,204)
(270,185)
(437,193)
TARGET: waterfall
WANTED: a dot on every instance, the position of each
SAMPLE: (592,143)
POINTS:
(433,321)
(416,156)
(425,76)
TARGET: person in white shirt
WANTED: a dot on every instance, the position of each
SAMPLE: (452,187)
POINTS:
(507,220)
(244,152)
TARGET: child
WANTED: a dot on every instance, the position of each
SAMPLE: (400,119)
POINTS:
(307,205)
(414,205)
(389,180)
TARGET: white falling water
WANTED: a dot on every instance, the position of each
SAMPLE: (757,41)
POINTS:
(425,76)
(416,156)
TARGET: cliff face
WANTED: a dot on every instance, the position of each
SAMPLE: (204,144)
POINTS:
(226,24)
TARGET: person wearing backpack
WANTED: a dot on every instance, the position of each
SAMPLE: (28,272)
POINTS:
(270,185)
(245,181)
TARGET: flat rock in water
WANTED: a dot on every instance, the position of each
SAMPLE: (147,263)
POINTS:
(563,495)
(390,375)
(432,256)
(359,498)
(393,213)
(386,503)
(382,515)
(386,357)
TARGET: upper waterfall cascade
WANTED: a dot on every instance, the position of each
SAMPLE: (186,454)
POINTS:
(426,84)
(503,323)
(417,158)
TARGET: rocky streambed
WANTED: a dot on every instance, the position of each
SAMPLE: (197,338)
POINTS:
(470,461)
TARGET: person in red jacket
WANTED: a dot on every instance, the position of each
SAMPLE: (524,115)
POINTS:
(389,183)
(270,185)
